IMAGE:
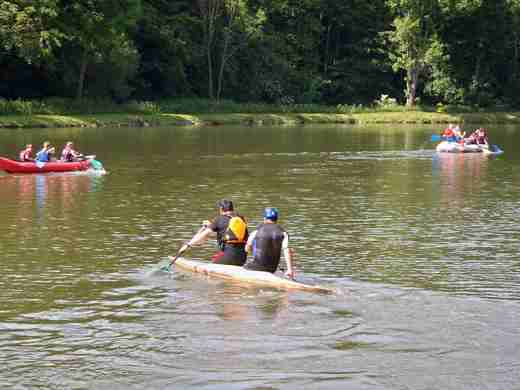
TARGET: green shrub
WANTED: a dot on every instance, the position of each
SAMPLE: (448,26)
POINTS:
(386,102)
(16,107)
(145,107)
(440,108)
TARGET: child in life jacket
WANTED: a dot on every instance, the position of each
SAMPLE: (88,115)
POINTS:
(46,153)
(26,154)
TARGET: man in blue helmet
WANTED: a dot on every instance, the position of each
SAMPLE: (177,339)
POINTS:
(267,244)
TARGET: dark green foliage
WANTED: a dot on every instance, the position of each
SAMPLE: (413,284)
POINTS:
(284,52)
(165,39)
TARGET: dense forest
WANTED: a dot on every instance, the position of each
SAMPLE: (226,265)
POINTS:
(463,52)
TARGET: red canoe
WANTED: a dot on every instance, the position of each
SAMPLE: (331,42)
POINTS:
(12,166)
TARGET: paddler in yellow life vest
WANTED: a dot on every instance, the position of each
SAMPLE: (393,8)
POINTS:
(232,234)
(267,244)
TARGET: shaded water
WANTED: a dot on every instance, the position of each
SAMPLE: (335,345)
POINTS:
(422,250)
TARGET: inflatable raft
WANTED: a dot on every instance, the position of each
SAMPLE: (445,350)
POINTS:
(455,147)
(242,275)
(12,166)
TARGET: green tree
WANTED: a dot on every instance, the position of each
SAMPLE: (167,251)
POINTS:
(440,83)
(287,52)
(355,65)
(97,32)
(169,52)
(240,26)
(478,37)
(210,12)
(29,28)
(411,39)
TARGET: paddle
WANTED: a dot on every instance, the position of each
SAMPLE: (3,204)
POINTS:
(96,165)
(172,259)
(183,249)
(82,157)
(491,149)
(436,137)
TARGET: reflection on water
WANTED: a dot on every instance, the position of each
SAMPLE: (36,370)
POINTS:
(63,185)
(63,189)
(459,175)
(421,248)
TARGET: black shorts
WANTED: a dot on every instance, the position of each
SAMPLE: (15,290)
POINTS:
(233,256)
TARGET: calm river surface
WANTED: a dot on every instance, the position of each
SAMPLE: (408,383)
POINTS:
(421,249)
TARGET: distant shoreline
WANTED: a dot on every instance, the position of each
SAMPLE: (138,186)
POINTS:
(265,119)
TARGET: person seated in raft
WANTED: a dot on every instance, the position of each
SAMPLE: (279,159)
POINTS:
(459,134)
(481,137)
(471,139)
(46,153)
(267,244)
(52,153)
(26,154)
(448,134)
(68,153)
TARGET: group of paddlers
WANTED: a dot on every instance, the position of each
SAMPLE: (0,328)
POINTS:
(455,134)
(266,244)
(47,153)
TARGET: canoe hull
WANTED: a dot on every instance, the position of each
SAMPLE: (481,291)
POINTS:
(244,276)
(12,166)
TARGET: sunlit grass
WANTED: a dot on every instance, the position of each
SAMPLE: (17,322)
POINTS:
(60,112)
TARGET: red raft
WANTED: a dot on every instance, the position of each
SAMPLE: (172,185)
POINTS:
(12,166)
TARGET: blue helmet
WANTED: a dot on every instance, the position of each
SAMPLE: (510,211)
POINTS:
(271,213)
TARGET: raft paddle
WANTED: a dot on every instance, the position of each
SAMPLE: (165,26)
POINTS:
(96,165)
(435,137)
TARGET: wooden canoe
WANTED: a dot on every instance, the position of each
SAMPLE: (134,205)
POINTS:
(242,275)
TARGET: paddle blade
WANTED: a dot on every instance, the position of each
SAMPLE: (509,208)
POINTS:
(435,137)
(497,150)
(159,268)
(166,266)
(492,149)
(96,165)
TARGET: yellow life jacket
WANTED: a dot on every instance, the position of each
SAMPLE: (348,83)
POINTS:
(236,232)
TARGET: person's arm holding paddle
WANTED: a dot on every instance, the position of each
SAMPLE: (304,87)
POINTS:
(201,236)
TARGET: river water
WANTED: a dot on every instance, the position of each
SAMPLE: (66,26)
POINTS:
(421,249)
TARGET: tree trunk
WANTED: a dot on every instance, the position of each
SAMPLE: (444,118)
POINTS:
(231,9)
(222,66)
(412,80)
(210,72)
(476,78)
(210,10)
(326,55)
(82,73)
(515,57)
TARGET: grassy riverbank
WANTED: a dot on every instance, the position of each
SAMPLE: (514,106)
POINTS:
(64,113)
(147,120)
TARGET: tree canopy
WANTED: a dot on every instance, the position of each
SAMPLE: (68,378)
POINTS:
(274,51)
